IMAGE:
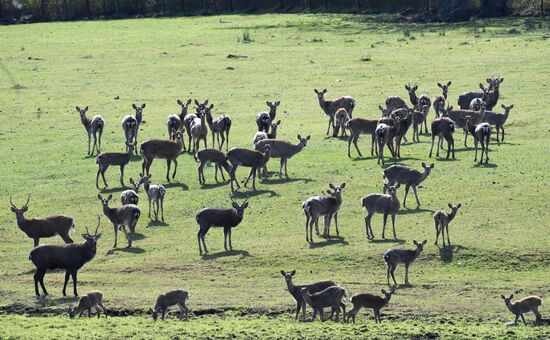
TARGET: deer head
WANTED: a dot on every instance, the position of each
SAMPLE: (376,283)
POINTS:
(20,211)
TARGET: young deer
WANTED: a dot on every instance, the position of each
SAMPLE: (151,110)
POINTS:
(376,303)
(394,102)
(253,159)
(482,134)
(525,305)
(260,135)
(443,127)
(358,126)
(37,228)
(155,193)
(176,122)
(327,206)
(442,220)
(265,119)
(393,257)
(281,149)
(498,120)
(424,100)
(408,177)
(330,107)
(70,257)
(296,291)
(105,159)
(130,127)
(206,156)
(92,299)
(173,297)
(418,119)
(219,217)
(329,297)
(93,126)
(438,101)
(341,117)
(383,204)
(126,215)
(162,149)
(130,196)
(199,130)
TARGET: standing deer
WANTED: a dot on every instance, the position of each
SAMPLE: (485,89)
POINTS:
(176,122)
(383,204)
(155,193)
(162,149)
(341,117)
(126,215)
(105,159)
(408,177)
(37,228)
(525,305)
(130,196)
(330,107)
(412,94)
(206,156)
(442,220)
(281,149)
(418,119)
(376,303)
(439,101)
(329,297)
(92,299)
(491,96)
(219,127)
(253,159)
(265,119)
(443,127)
(498,120)
(219,217)
(93,126)
(382,137)
(173,297)
(482,134)
(139,119)
(394,102)
(459,118)
(296,291)
(358,126)
(393,257)
(131,124)
(260,135)
(70,257)
(327,206)
(199,130)
(424,100)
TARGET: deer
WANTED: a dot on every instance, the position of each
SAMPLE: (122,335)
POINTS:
(187,121)
(92,299)
(330,107)
(70,257)
(327,206)
(459,117)
(424,100)
(131,124)
(442,220)
(438,101)
(296,291)
(405,122)
(525,305)
(130,196)
(419,118)
(329,297)
(412,94)
(382,137)
(253,159)
(260,135)
(491,96)
(94,126)
(206,156)
(219,217)
(383,204)
(106,159)
(174,297)
(199,131)
(218,127)
(281,149)
(162,149)
(443,127)
(155,193)
(475,104)
(265,119)
(139,119)
(482,134)
(341,117)
(176,122)
(498,119)
(42,227)
(376,303)
(394,102)
(358,126)
(393,257)
(126,215)
(408,177)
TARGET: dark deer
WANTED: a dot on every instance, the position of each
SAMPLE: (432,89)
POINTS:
(206,156)
(376,303)
(162,149)
(126,215)
(250,158)
(173,297)
(393,257)
(105,159)
(443,127)
(265,119)
(358,126)
(94,126)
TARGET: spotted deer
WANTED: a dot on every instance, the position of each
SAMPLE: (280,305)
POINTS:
(443,127)
(393,257)
(330,107)
(155,194)
(94,126)
(442,220)
(482,135)
(130,196)
(106,159)
(126,215)
(253,159)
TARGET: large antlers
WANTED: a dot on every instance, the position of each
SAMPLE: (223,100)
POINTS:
(235,202)
(95,232)
(24,206)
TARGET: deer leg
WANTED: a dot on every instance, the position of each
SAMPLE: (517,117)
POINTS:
(437,232)
(376,315)
(37,240)
(97,311)
(221,172)
(336,223)
(95,143)
(392,271)
(223,140)
(307,225)
(475,143)
(523,319)
(442,227)
(73,274)
(66,238)
(387,274)
(249,175)
(368,225)
(89,144)
(425,125)
(432,147)
(466,137)
(286,172)
(311,230)
(199,240)
(230,243)
(175,168)
(538,317)
(97,178)
(200,171)
(225,238)
(116,234)
(168,163)
(407,275)
(298,306)
(349,144)
(502,138)
(149,208)
(393,225)
(254,179)
(447,231)
(416,196)
(281,163)
(67,274)
(317,225)
(384,227)
(204,243)
(406,193)
(99,142)
(328,127)
(103,307)
(162,208)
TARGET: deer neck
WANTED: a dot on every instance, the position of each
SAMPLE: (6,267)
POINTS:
(445,94)
(413,98)
(323,104)
(139,116)
(291,287)
(146,186)
(451,215)
(209,117)
(89,251)
(183,113)
(85,121)
(272,113)
(22,222)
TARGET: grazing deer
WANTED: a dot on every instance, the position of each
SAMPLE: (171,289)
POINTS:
(162,149)
(341,117)
(358,126)
(281,149)
(199,131)
(130,196)
(37,228)
(525,305)
(383,204)
(418,119)
(206,156)
(92,299)
(330,107)
(126,215)
(491,96)
(393,103)
(408,177)
(459,118)
(94,126)
(253,159)
(438,101)
(219,217)
(105,159)
(482,134)
(327,206)
(376,303)
(296,291)
(442,220)
(265,119)
(498,119)
(393,257)
(172,298)
(70,257)
(155,193)
(329,297)
(260,135)
(443,127)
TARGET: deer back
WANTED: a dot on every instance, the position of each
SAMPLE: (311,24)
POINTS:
(163,149)
(218,217)
(394,103)
(211,155)
(381,203)
(403,175)
(278,148)
(246,157)
(46,226)
(368,301)
(177,296)
(67,256)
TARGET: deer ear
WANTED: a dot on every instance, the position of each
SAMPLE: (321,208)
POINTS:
(424,165)
(277,103)
(110,197)
(188,101)
(179,102)
(134,106)
(77,109)
(331,186)
(501,80)
(415,87)
(150,311)
(315,90)
(407,87)
(459,205)
(206,102)
(439,84)
(449,83)
(278,122)
(502,105)
(245,205)
(503,297)
(424,242)
(450,205)
(432,166)
(99,197)
(415,243)
(324,91)
(98,236)
(511,296)
(397,185)
(211,106)
(143,105)
(86,108)
(488,80)
(268,103)
(132,180)
(299,137)
(343,185)
(384,291)
(197,102)
(512,106)
(481,86)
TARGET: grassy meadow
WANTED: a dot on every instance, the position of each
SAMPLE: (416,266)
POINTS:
(499,238)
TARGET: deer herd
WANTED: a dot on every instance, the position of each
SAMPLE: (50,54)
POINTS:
(474,116)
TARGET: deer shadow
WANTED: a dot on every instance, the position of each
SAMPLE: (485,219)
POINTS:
(64,299)
(408,211)
(136,158)
(333,240)
(286,180)
(112,190)
(446,252)
(213,185)
(159,223)
(252,193)
(183,186)
(89,156)
(233,252)
(133,250)
(485,165)
(362,158)
(387,240)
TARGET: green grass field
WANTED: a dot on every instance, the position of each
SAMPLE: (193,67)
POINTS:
(499,238)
